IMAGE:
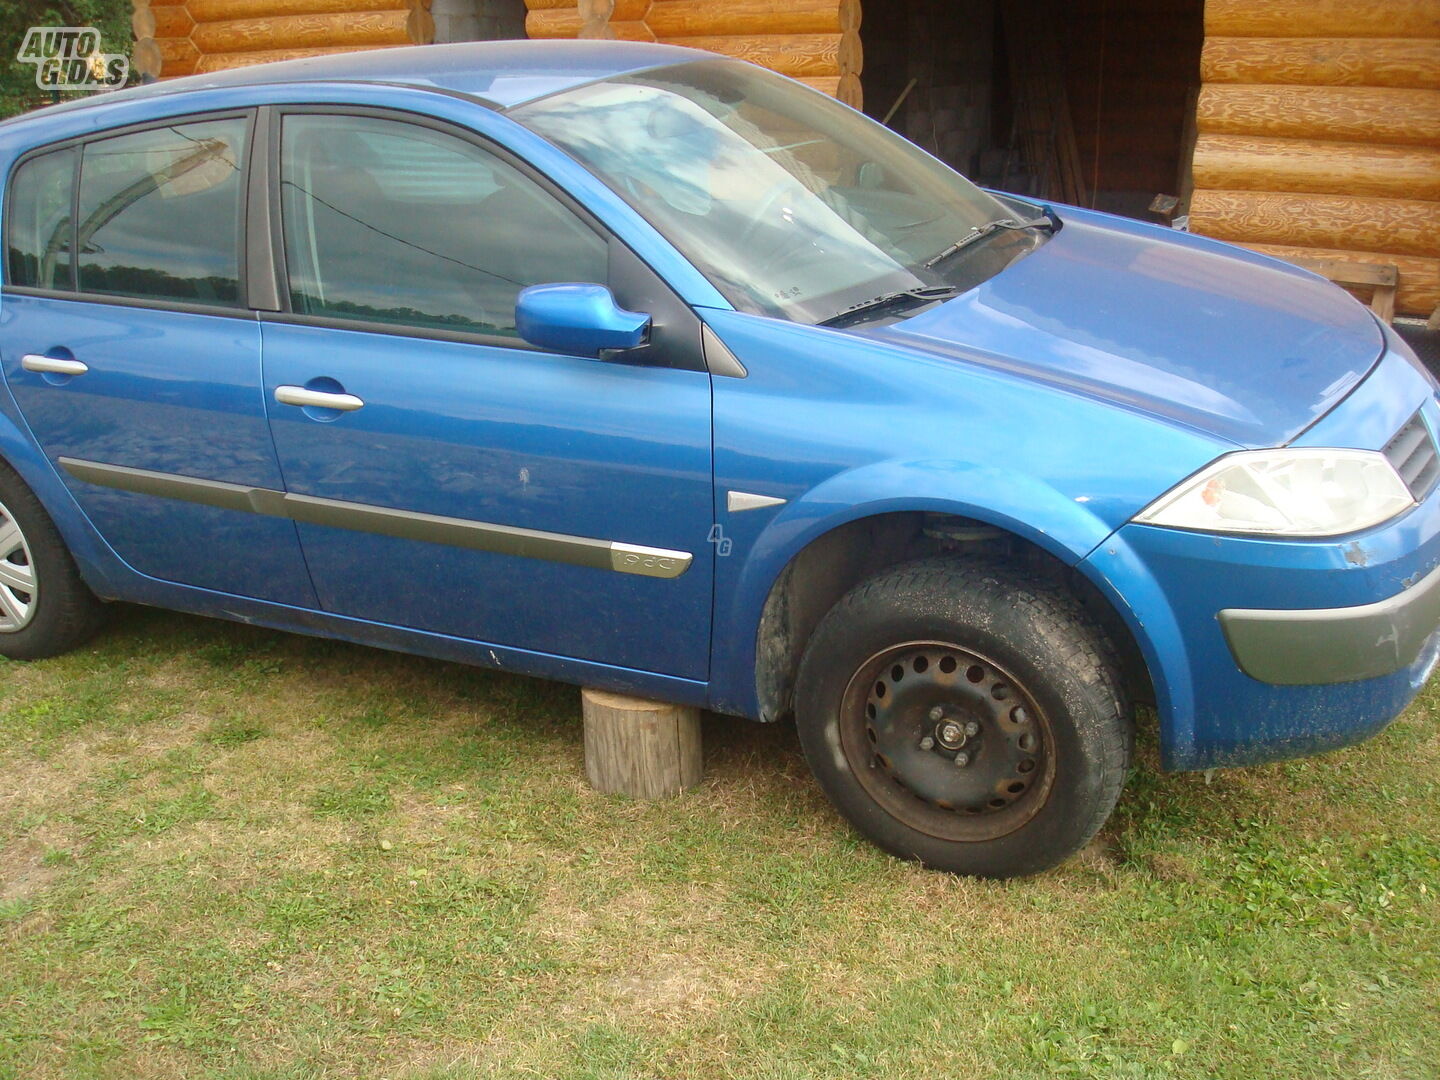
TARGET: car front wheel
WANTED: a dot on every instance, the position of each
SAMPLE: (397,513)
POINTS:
(966,715)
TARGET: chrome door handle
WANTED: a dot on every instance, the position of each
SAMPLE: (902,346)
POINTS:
(317,399)
(48,365)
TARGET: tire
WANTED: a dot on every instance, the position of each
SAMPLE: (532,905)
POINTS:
(966,715)
(45,607)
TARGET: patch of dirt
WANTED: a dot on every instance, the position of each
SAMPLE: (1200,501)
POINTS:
(23,873)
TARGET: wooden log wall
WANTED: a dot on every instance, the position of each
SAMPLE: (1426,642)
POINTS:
(815,41)
(185,37)
(1319,134)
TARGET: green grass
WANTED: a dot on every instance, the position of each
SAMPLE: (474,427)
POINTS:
(231,853)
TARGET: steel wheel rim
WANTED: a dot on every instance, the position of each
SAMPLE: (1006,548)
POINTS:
(18,587)
(903,699)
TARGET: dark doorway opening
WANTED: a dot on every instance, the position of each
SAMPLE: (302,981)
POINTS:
(1088,101)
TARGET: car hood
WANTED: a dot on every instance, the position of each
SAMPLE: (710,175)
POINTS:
(1196,332)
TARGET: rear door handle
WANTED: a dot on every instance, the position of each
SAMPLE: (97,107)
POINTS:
(48,365)
(317,399)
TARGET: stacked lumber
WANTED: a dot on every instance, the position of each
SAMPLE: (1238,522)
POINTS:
(815,41)
(183,37)
(1319,134)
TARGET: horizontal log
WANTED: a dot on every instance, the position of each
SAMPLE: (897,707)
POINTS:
(632,30)
(1254,163)
(178,56)
(1322,18)
(629,10)
(227,10)
(172,22)
(789,54)
(700,18)
(166,3)
(225,61)
(554,23)
(1352,113)
(1419,289)
(1403,226)
(548,5)
(303,31)
(1406,62)
(826,84)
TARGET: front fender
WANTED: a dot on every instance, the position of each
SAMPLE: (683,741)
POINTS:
(1015,502)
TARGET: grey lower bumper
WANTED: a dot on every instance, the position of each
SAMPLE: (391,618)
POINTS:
(1334,645)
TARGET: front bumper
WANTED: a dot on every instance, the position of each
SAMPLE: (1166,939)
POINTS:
(1334,645)
(1260,649)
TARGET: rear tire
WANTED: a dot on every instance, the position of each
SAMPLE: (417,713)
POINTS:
(45,607)
(966,715)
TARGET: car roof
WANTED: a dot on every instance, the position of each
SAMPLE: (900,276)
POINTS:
(497,73)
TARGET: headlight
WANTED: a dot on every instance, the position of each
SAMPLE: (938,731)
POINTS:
(1288,492)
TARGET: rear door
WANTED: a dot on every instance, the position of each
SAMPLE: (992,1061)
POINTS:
(128,345)
(473,485)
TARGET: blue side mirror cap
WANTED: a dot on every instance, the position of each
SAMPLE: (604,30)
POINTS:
(582,320)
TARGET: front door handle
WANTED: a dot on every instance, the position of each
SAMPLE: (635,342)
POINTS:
(49,365)
(317,399)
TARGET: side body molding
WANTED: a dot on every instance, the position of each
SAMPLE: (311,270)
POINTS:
(456,532)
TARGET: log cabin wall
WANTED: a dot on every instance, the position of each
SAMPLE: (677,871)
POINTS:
(815,41)
(1319,134)
(185,37)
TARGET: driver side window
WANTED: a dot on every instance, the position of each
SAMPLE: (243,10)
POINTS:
(390,222)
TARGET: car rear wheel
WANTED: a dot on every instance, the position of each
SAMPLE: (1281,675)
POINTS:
(45,606)
(966,715)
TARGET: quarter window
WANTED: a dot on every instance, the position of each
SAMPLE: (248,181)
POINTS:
(160,213)
(38,219)
(391,222)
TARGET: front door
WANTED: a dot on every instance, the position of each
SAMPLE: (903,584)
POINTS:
(136,364)
(449,477)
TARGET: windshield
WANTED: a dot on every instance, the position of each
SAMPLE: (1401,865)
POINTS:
(791,203)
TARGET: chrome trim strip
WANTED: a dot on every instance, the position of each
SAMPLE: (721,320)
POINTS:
(51,366)
(317,399)
(385,521)
(739,501)
(648,561)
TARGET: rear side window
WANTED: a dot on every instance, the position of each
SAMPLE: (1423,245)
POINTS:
(37,219)
(390,222)
(160,213)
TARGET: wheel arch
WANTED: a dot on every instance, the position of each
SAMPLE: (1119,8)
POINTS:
(774,617)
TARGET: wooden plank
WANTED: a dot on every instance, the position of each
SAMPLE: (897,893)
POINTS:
(1345,272)
(554,23)
(1368,114)
(691,18)
(1403,226)
(225,61)
(789,54)
(1322,18)
(227,10)
(1400,62)
(644,749)
(1419,288)
(1257,163)
(352,30)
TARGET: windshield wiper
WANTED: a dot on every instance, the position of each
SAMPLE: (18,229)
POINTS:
(904,298)
(990,228)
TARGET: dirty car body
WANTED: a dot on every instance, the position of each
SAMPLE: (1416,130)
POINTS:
(710,351)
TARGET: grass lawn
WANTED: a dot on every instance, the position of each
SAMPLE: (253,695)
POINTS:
(229,852)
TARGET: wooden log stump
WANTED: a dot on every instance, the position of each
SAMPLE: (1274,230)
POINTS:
(645,749)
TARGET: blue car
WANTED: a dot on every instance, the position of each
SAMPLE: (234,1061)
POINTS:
(638,368)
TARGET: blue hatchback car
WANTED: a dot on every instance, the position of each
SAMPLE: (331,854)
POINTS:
(634,367)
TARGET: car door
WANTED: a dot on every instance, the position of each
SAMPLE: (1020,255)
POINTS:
(450,477)
(133,358)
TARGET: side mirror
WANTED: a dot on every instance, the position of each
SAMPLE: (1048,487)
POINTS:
(582,320)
